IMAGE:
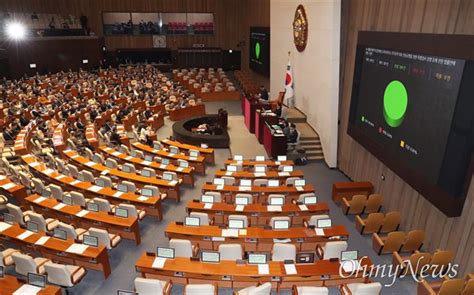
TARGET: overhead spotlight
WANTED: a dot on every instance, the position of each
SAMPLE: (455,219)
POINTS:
(230,50)
(15,31)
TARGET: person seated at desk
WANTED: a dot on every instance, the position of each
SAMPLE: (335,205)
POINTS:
(114,136)
(263,93)
(292,136)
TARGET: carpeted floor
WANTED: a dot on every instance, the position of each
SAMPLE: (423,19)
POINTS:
(123,258)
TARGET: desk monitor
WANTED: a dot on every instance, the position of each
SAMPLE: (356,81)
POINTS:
(167,176)
(236,223)
(60,234)
(32,226)
(165,252)
(245,182)
(36,280)
(238,158)
(300,182)
(124,292)
(100,182)
(260,158)
(277,201)
(282,158)
(122,188)
(67,200)
(9,218)
(121,212)
(192,221)
(146,173)
(149,158)
(207,199)
(126,168)
(281,224)
(260,169)
(146,192)
(324,223)
(219,181)
(287,168)
(2,271)
(231,168)
(193,154)
(257,259)
(210,256)
(133,153)
(310,200)
(46,193)
(174,150)
(240,200)
(157,145)
(273,183)
(165,161)
(92,207)
(349,255)
(183,164)
(90,241)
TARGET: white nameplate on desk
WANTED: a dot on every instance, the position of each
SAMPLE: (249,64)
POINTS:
(48,171)
(142,198)
(82,213)
(263,269)
(283,174)
(239,208)
(158,262)
(74,182)
(171,155)
(208,206)
(179,169)
(146,163)
(39,200)
(77,248)
(90,163)
(230,232)
(95,188)
(75,156)
(59,206)
(192,158)
(319,231)
(217,239)
(162,166)
(128,158)
(228,173)
(4,226)
(303,207)
(220,187)
(290,269)
(244,188)
(34,164)
(260,174)
(116,154)
(277,163)
(105,172)
(8,185)
(118,194)
(299,188)
(173,182)
(42,240)
(273,208)
(59,177)
(25,235)
(2,177)
(27,290)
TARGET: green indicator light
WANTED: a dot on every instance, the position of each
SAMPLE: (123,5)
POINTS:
(363,119)
(395,103)
(257,50)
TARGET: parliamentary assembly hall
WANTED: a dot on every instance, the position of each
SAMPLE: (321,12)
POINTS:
(237,147)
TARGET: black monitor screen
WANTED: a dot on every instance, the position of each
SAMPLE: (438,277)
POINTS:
(259,51)
(409,108)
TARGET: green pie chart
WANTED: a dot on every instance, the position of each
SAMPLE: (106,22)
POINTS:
(395,103)
(257,50)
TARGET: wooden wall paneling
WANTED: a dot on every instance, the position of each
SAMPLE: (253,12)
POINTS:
(418,16)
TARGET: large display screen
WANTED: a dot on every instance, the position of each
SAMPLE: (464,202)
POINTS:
(259,51)
(406,104)
(407,109)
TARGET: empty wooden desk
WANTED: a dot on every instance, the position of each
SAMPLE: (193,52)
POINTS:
(258,214)
(230,274)
(197,162)
(349,189)
(152,205)
(208,153)
(255,238)
(95,258)
(10,284)
(127,228)
(186,174)
(251,163)
(171,188)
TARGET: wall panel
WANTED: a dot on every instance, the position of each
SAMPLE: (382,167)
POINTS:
(417,16)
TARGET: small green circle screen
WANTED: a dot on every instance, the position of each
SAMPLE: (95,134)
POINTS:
(395,103)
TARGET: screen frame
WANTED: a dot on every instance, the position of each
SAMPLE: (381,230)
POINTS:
(190,217)
(236,220)
(42,276)
(96,239)
(167,248)
(257,254)
(324,219)
(426,44)
(213,252)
